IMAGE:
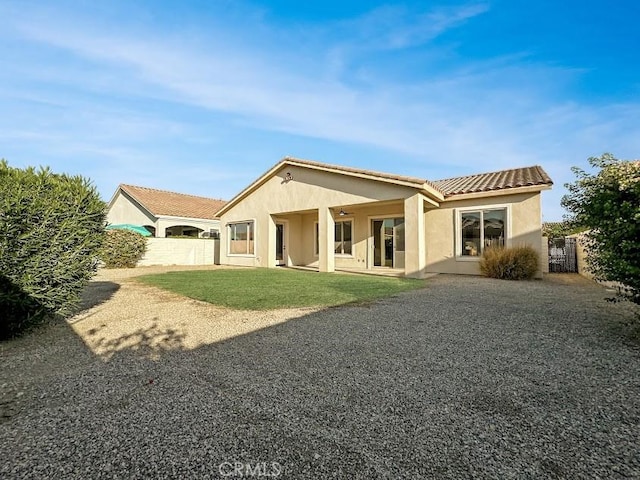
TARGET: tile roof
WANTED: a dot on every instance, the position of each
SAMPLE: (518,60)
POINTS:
(503,179)
(482,182)
(162,202)
(440,190)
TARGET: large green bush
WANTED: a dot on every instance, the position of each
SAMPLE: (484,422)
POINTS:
(515,263)
(51,227)
(607,204)
(122,249)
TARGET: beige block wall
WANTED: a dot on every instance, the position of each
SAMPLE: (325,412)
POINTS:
(544,254)
(524,228)
(581,255)
(179,251)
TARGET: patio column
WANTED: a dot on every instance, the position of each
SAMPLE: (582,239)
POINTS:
(271,244)
(326,240)
(415,244)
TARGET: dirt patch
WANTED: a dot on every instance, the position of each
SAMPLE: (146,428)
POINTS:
(152,320)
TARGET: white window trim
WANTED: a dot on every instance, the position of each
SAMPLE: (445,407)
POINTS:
(255,238)
(458,228)
(316,229)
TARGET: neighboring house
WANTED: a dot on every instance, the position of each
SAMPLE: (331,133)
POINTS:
(165,214)
(332,217)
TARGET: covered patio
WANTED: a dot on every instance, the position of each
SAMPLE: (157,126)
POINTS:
(369,237)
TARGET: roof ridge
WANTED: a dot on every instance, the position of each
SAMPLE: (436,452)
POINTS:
(159,190)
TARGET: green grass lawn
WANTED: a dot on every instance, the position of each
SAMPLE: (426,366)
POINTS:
(265,289)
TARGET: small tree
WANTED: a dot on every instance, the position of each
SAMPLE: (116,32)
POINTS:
(51,227)
(608,204)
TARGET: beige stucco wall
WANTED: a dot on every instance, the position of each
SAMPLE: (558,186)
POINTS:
(165,222)
(544,254)
(361,250)
(179,251)
(524,228)
(123,210)
(298,202)
(429,235)
(581,255)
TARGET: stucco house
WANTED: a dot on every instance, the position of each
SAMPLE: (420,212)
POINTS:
(163,213)
(306,213)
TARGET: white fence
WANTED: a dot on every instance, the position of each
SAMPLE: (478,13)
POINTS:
(181,251)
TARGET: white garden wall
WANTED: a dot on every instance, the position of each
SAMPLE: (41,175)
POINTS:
(181,251)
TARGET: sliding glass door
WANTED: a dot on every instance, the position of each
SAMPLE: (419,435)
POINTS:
(388,242)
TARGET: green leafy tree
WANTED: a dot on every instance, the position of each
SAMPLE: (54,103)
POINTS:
(608,204)
(51,227)
(559,229)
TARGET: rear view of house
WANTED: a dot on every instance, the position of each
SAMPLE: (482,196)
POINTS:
(163,213)
(333,217)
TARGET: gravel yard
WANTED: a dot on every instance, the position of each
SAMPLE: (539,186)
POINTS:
(467,378)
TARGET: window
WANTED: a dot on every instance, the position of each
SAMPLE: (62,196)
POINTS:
(480,229)
(343,238)
(342,245)
(241,240)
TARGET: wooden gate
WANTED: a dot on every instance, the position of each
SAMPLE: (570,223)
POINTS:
(562,255)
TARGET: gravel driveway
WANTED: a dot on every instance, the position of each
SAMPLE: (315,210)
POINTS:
(467,378)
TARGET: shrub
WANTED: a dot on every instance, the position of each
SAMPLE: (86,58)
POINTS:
(607,203)
(122,249)
(51,227)
(516,263)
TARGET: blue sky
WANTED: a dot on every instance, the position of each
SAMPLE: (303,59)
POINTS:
(203,96)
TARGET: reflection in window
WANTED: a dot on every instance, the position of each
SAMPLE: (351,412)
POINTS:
(481,229)
(471,234)
(241,241)
(343,235)
(493,221)
(343,238)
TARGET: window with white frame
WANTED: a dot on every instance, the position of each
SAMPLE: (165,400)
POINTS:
(480,229)
(343,243)
(241,238)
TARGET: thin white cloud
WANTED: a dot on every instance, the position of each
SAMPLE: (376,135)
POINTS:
(395,27)
(480,116)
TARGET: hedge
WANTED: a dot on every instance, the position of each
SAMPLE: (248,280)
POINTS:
(51,227)
(122,249)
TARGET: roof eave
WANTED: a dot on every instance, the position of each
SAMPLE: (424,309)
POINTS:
(178,217)
(417,184)
(406,182)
